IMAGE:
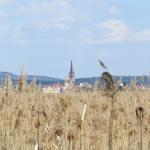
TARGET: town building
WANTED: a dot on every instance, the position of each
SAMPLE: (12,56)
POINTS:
(70,81)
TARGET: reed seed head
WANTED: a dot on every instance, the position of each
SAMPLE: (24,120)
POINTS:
(140,113)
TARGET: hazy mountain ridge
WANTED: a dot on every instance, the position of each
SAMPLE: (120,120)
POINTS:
(46,80)
(40,79)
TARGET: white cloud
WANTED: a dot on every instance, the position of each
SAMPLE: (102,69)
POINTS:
(5,1)
(115,10)
(143,36)
(14,34)
(46,7)
(2,14)
(47,15)
(55,13)
(116,31)
(17,32)
(61,23)
(4,30)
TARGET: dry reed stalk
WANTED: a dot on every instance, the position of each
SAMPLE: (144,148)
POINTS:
(8,86)
(20,84)
(21,81)
(110,92)
(38,129)
(111,126)
(140,116)
(70,138)
(54,145)
(149,144)
(4,124)
(41,111)
(83,113)
(82,132)
(4,147)
(36,147)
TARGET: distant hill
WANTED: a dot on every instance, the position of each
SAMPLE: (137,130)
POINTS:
(45,80)
(3,75)
(126,79)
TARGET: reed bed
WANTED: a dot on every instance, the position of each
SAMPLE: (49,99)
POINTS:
(32,120)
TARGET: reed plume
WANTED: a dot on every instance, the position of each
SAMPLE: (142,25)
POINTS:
(110,92)
(140,116)
(108,79)
(21,81)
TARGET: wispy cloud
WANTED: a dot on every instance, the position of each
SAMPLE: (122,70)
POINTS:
(74,18)
(61,23)
(9,31)
(143,36)
(115,31)
(14,34)
(57,14)
(46,7)
(115,10)
(5,1)
(17,31)
(3,14)
(4,30)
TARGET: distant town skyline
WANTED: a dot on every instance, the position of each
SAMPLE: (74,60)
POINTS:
(46,35)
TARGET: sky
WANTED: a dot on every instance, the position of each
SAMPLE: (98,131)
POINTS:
(45,35)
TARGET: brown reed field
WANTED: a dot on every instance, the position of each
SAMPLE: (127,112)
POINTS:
(32,120)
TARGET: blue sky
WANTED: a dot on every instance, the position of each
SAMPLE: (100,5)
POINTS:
(45,35)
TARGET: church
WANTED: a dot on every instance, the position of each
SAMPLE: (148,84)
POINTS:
(70,81)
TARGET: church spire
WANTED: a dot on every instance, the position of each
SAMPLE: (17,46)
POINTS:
(71,73)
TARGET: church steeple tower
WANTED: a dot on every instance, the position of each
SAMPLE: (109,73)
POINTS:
(71,73)
(70,82)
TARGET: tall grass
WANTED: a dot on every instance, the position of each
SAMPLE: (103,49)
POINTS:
(72,121)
